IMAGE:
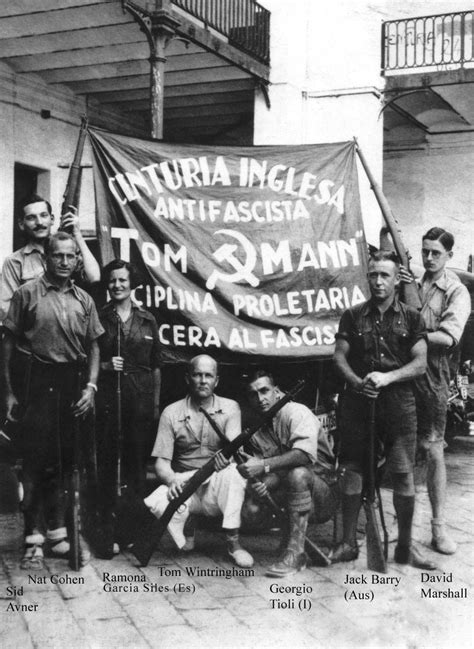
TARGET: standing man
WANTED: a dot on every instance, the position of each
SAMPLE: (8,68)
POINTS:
(29,262)
(380,349)
(446,306)
(56,326)
(184,443)
(293,458)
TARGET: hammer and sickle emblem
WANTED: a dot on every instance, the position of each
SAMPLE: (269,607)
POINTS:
(243,271)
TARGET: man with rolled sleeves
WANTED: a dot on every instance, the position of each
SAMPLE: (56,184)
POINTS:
(380,349)
(446,306)
(55,325)
(293,460)
(29,262)
(184,443)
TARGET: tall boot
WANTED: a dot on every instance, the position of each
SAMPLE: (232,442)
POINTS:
(294,558)
(348,550)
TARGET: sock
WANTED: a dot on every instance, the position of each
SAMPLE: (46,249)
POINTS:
(404,508)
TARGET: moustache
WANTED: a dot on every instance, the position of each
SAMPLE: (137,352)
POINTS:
(39,228)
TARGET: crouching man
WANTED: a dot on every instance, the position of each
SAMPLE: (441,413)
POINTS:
(293,457)
(184,443)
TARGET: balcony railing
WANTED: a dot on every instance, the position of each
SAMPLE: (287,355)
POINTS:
(428,41)
(244,22)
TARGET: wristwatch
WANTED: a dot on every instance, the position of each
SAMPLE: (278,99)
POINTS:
(266,467)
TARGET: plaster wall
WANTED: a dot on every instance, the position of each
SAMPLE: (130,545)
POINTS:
(320,92)
(45,144)
(433,187)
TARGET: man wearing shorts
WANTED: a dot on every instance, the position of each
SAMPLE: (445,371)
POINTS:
(380,349)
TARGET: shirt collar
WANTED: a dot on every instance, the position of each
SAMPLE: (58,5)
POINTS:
(371,307)
(215,409)
(441,282)
(47,286)
(109,307)
(31,247)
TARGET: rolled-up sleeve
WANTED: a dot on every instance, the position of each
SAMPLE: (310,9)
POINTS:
(165,439)
(302,429)
(346,326)
(10,281)
(458,308)
(14,320)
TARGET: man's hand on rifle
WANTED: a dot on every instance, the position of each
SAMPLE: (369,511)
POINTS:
(70,221)
(176,486)
(260,489)
(251,468)
(220,462)
(405,275)
(367,388)
(378,380)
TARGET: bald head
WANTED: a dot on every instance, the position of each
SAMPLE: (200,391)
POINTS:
(202,378)
(205,358)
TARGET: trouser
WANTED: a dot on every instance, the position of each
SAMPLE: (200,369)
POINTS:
(223,493)
(137,419)
(47,443)
(300,490)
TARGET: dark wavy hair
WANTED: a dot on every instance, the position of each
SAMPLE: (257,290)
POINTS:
(117,264)
(34,198)
(445,238)
(259,373)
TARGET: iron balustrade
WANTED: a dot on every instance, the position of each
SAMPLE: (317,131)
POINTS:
(244,22)
(427,41)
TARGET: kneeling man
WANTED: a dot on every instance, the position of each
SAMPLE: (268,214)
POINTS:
(293,456)
(184,443)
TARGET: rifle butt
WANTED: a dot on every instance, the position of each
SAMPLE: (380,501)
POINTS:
(151,532)
(74,552)
(375,551)
(315,553)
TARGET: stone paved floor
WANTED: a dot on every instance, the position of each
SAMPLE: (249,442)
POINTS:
(238,612)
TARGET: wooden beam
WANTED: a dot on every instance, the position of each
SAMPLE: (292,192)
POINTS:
(94,15)
(130,67)
(97,86)
(188,92)
(69,40)
(23,7)
(231,108)
(71,57)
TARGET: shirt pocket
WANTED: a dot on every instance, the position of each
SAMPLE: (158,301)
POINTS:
(365,338)
(400,335)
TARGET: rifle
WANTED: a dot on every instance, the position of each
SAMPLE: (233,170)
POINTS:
(410,292)
(73,185)
(154,529)
(376,559)
(312,549)
(75,549)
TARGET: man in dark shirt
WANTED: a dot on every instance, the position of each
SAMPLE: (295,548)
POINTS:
(380,349)
(55,325)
